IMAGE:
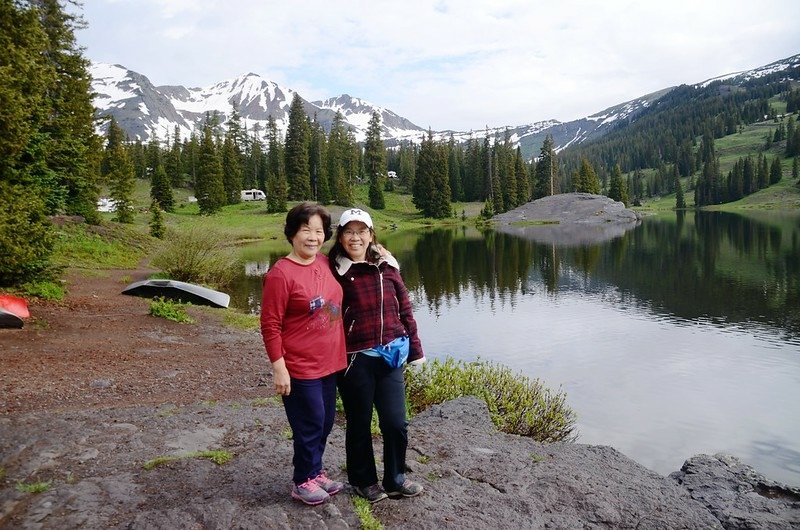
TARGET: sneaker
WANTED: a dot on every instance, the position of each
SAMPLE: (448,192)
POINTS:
(310,493)
(408,489)
(372,493)
(331,487)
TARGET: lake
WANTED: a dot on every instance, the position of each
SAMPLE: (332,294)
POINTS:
(680,336)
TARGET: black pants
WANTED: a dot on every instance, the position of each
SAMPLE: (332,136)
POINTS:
(370,381)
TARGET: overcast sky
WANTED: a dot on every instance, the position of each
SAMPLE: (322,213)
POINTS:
(450,64)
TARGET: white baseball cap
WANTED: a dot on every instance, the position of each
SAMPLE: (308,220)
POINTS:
(355,214)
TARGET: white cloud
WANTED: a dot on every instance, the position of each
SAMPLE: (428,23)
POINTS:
(450,64)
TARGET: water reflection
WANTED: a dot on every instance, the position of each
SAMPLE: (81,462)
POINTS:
(726,268)
(678,337)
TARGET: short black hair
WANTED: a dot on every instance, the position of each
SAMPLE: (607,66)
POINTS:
(299,216)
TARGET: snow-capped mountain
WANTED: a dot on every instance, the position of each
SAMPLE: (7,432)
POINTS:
(144,110)
(755,73)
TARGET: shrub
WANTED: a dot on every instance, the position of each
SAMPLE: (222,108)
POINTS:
(44,289)
(169,310)
(517,404)
(26,237)
(196,255)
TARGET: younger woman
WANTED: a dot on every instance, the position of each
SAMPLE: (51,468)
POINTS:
(376,310)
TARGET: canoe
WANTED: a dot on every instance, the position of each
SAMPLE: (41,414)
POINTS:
(187,293)
(14,304)
(9,320)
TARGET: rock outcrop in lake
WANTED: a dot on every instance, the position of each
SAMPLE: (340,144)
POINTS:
(568,219)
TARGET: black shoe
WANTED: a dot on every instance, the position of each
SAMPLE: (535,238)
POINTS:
(408,489)
(372,493)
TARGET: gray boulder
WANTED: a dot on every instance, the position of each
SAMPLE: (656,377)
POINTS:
(568,219)
(737,495)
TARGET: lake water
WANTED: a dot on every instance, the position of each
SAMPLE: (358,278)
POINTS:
(680,336)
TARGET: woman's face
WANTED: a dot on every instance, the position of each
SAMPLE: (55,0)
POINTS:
(308,240)
(355,237)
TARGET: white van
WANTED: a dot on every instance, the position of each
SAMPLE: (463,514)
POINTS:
(253,195)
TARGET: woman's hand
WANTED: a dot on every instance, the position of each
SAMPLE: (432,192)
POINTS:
(280,376)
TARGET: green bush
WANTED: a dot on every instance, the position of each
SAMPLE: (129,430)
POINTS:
(26,236)
(44,289)
(170,310)
(517,404)
(197,255)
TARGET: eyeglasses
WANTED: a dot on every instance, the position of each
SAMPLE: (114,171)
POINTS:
(361,233)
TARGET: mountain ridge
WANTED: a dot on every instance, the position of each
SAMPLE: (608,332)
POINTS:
(144,110)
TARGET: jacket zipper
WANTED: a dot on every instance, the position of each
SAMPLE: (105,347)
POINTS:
(380,279)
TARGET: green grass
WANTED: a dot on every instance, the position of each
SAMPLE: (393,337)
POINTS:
(241,321)
(363,510)
(45,289)
(159,307)
(107,246)
(34,487)
(219,457)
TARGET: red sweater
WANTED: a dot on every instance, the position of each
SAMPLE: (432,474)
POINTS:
(301,318)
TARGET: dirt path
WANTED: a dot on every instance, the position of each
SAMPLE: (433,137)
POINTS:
(100,348)
(94,387)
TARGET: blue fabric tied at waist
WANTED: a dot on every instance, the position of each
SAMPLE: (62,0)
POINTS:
(395,353)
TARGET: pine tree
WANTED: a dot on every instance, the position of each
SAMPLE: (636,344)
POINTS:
(209,188)
(122,183)
(521,174)
(296,152)
(498,202)
(339,155)
(161,191)
(276,175)
(680,201)
(375,162)
(585,180)
(795,169)
(74,148)
(320,183)
(172,161)
(763,171)
(115,137)
(455,163)
(157,227)
(617,190)
(408,165)
(546,170)
(432,186)
(231,170)
(775,171)
(506,174)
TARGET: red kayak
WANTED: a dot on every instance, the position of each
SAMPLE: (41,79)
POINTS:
(15,305)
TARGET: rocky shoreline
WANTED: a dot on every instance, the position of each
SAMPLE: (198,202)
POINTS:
(93,388)
(475,477)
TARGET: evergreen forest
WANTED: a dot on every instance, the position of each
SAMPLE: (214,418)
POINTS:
(54,163)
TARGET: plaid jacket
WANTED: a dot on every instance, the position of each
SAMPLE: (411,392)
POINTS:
(375,308)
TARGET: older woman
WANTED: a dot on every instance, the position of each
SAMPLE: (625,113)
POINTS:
(377,312)
(301,324)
